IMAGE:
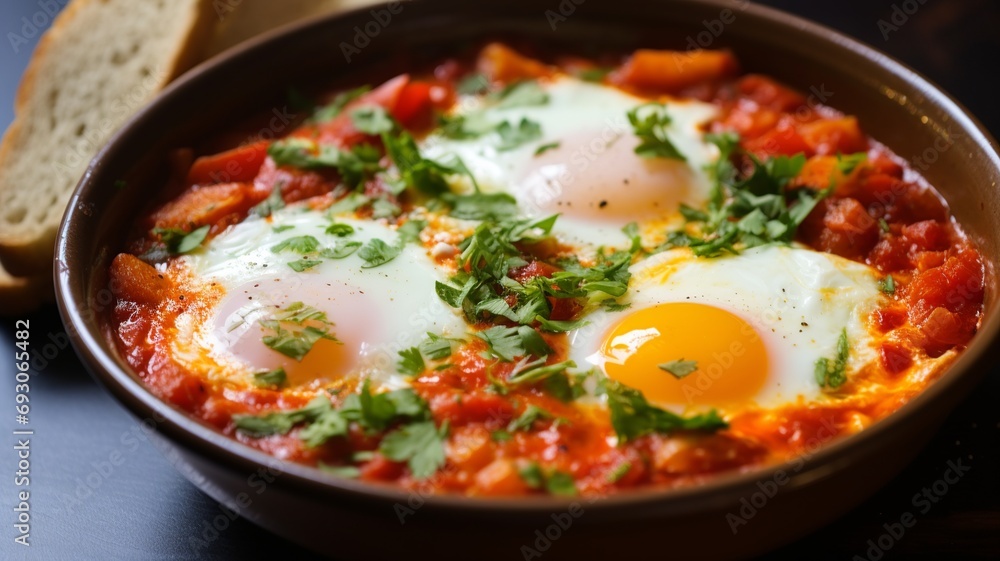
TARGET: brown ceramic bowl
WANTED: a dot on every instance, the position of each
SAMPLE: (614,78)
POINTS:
(350,519)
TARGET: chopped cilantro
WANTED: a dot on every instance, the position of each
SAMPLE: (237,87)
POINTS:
(620,471)
(507,343)
(482,206)
(521,94)
(372,120)
(376,252)
(276,378)
(887,285)
(524,422)
(420,445)
(436,347)
(341,250)
(179,242)
(560,483)
(679,368)
(632,416)
(546,147)
(340,230)
(297,244)
(303,264)
(649,122)
(512,136)
(411,362)
(833,373)
(292,337)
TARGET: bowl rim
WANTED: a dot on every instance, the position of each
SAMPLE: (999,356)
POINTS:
(97,354)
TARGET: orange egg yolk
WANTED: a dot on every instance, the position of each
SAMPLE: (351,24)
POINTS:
(729,355)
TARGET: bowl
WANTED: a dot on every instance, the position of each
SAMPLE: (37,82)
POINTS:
(732,516)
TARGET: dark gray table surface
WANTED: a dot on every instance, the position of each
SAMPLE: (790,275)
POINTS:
(100,491)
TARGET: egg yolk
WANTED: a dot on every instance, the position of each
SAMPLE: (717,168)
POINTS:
(730,361)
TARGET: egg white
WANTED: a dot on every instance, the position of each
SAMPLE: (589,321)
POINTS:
(593,177)
(375,312)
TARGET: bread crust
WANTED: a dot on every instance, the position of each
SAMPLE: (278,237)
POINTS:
(27,254)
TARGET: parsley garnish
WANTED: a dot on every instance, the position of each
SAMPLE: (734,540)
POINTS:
(620,471)
(354,166)
(420,445)
(179,242)
(632,416)
(303,264)
(376,252)
(416,441)
(276,378)
(292,336)
(298,244)
(341,250)
(524,422)
(555,482)
(679,368)
(546,147)
(340,230)
(833,373)
(507,343)
(436,347)
(372,120)
(521,94)
(482,206)
(747,212)
(512,137)
(411,362)
(649,122)
(887,285)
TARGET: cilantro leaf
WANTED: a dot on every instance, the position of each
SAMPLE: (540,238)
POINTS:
(276,378)
(341,250)
(561,483)
(649,122)
(887,285)
(679,368)
(632,416)
(546,147)
(412,362)
(494,207)
(420,445)
(303,264)
(524,422)
(507,343)
(340,230)
(291,337)
(833,373)
(521,94)
(298,244)
(372,120)
(436,347)
(512,137)
(280,422)
(376,252)
(179,242)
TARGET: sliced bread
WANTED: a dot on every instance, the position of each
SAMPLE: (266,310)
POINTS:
(100,62)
